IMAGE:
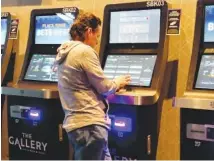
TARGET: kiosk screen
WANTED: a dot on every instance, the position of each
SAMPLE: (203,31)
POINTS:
(139,26)
(205,78)
(209,24)
(53,29)
(41,68)
(3,32)
(140,67)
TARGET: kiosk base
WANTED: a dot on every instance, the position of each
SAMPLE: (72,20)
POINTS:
(133,133)
(35,129)
(197,134)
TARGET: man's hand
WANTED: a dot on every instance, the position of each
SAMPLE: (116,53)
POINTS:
(122,81)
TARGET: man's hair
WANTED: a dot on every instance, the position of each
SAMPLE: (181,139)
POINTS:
(82,23)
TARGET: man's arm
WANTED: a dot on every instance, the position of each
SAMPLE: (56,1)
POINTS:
(95,74)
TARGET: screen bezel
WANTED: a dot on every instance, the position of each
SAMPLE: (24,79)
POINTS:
(132,45)
(122,54)
(206,44)
(30,80)
(197,73)
(33,48)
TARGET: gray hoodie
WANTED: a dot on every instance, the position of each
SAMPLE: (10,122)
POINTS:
(82,86)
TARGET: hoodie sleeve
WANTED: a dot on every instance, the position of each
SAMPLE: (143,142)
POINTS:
(95,74)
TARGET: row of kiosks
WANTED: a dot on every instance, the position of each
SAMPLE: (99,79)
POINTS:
(7,54)
(197,104)
(35,114)
(133,42)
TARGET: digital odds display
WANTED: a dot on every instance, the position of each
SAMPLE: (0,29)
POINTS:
(139,67)
(41,68)
(3,31)
(53,29)
(138,26)
(209,24)
(205,79)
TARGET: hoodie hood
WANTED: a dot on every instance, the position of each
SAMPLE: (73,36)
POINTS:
(64,49)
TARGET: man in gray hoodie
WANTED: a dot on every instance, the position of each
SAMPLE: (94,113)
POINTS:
(83,87)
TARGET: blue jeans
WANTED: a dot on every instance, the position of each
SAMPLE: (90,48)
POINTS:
(90,143)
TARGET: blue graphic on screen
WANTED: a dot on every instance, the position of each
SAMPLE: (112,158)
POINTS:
(41,68)
(205,79)
(3,30)
(209,24)
(53,29)
(139,26)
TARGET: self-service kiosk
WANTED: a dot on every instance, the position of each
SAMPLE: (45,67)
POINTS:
(197,103)
(35,114)
(133,42)
(7,54)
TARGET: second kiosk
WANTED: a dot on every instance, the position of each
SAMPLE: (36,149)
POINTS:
(197,104)
(133,42)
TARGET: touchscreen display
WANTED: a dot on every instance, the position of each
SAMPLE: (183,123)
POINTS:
(209,24)
(140,67)
(3,31)
(139,26)
(41,68)
(53,29)
(205,79)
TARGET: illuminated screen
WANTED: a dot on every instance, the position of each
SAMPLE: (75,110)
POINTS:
(140,67)
(205,79)
(41,68)
(209,24)
(139,26)
(53,29)
(3,30)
